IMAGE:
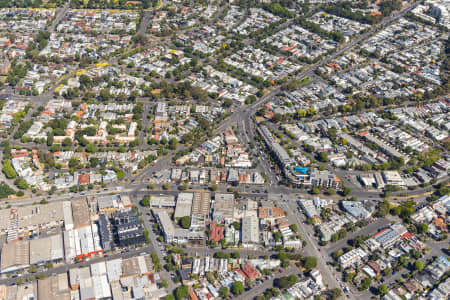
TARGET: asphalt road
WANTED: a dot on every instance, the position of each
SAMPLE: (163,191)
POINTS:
(144,23)
(59,16)
(311,248)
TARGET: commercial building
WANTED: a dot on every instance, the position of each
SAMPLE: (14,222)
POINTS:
(325,179)
(310,210)
(250,231)
(270,213)
(223,207)
(351,258)
(173,234)
(128,229)
(184,205)
(68,216)
(393,178)
(105,232)
(166,201)
(38,217)
(201,204)
(281,154)
(356,209)
(110,203)
(387,237)
(77,275)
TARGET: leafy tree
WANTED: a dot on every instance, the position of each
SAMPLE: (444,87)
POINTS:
(120,174)
(182,292)
(73,162)
(32,269)
(91,148)
(365,283)
(323,157)
(48,265)
(94,161)
(286,281)
(346,191)
(146,201)
(334,238)
(382,289)
(67,142)
(5,190)
(383,208)
(387,272)
(223,292)
(237,225)
(173,144)
(21,183)
(335,293)
(185,222)
(227,103)
(294,227)
(277,236)
(8,170)
(310,262)
(418,265)
(422,228)
(237,288)
(220,254)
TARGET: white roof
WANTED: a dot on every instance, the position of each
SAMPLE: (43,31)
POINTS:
(114,268)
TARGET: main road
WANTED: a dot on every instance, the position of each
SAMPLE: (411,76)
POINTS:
(311,249)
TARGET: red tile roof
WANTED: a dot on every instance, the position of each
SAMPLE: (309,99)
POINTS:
(216,233)
(250,271)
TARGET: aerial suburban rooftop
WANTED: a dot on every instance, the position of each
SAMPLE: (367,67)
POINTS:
(226,149)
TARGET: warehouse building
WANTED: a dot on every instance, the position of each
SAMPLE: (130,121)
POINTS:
(15,256)
(48,249)
(21,254)
(82,242)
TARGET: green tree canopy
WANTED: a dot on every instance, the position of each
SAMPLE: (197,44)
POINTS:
(237,288)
